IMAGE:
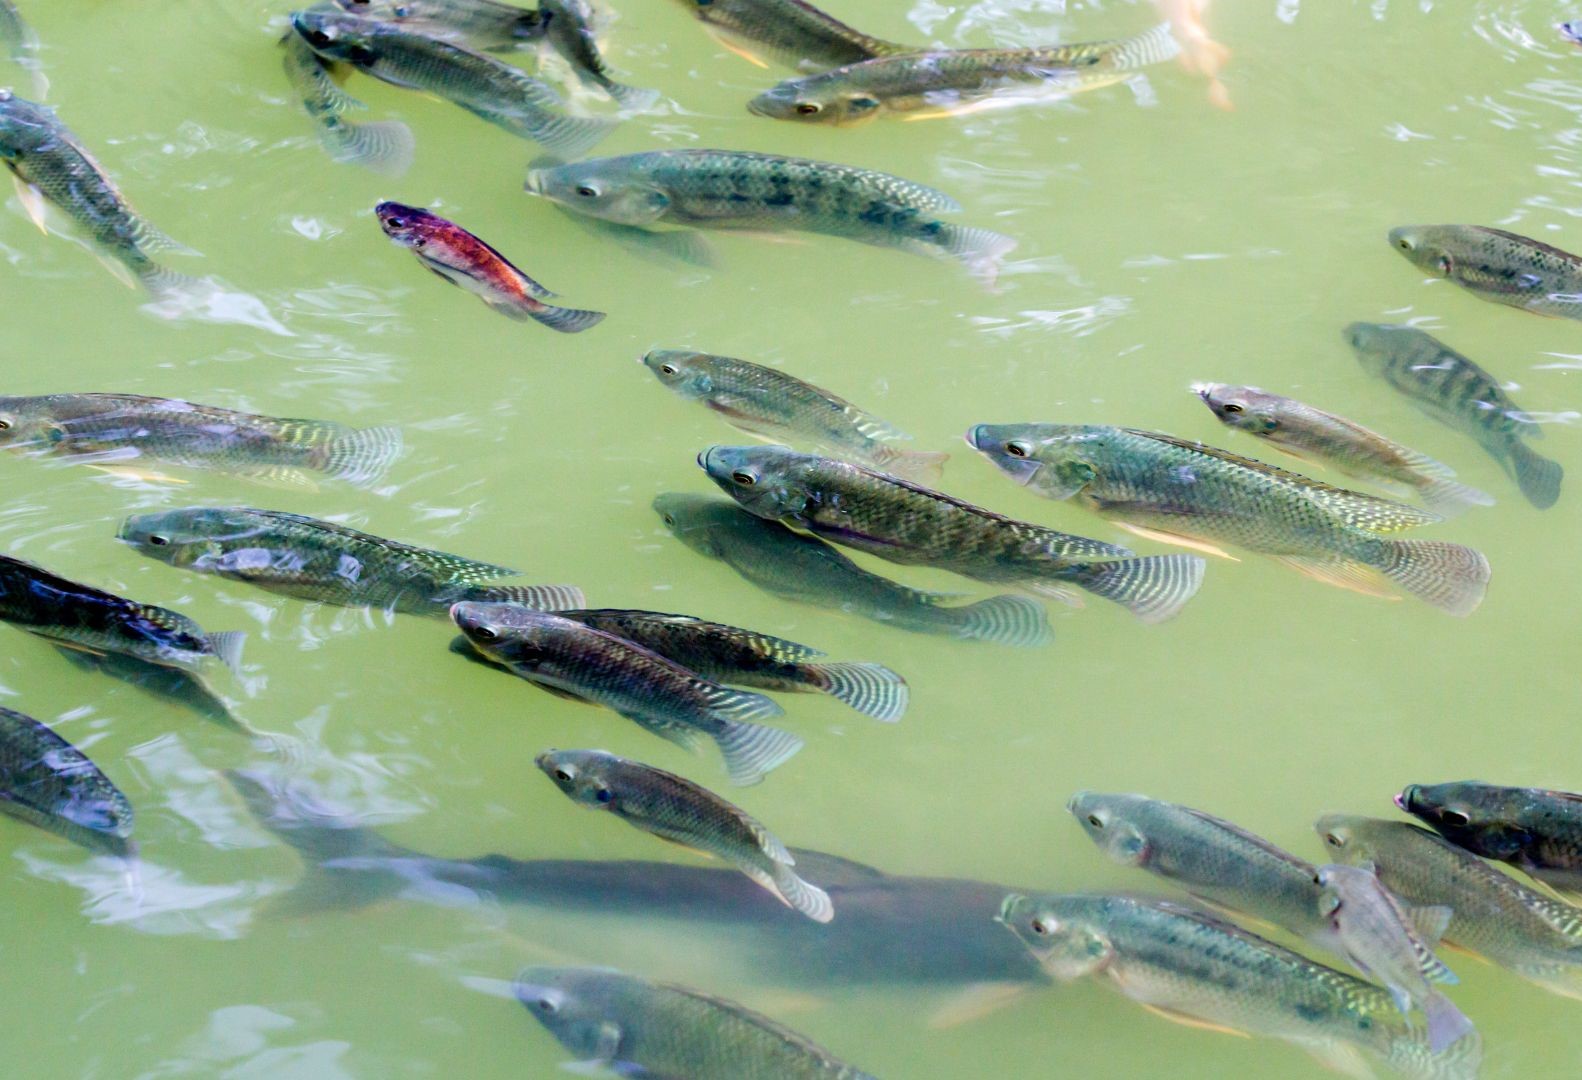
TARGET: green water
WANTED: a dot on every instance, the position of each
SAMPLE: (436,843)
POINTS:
(1162,241)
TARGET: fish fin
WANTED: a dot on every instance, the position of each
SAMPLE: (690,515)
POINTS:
(751,750)
(809,899)
(1340,1057)
(1005,620)
(922,466)
(661,246)
(1188,1020)
(632,98)
(1537,476)
(130,472)
(1403,1000)
(976,1002)
(740,50)
(1451,577)
(33,204)
(566,320)
(1177,539)
(361,457)
(117,268)
(1430,923)
(982,250)
(227,645)
(727,704)
(1054,590)
(537,597)
(1340,573)
(770,844)
(872,689)
(1446,1023)
(570,136)
(1140,50)
(1154,588)
(385,147)
(1448,498)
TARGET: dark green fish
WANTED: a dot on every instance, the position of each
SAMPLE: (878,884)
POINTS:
(485,23)
(806,570)
(1498,266)
(385,146)
(319,560)
(1184,491)
(781,407)
(676,809)
(482,85)
(48,782)
(569,28)
(912,525)
(114,429)
(1536,830)
(643,1029)
(584,664)
(793,32)
(1461,395)
(730,654)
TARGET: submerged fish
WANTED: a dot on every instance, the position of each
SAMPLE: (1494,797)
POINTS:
(1393,946)
(949,82)
(1497,266)
(48,782)
(113,429)
(738,189)
(1195,968)
(319,560)
(793,32)
(384,146)
(482,85)
(584,664)
(486,23)
(1315,435)
(1178,490)
(639,1028)
(675,809)
(569,28)
(730,654)
(1536,830)
(1461,395)
(1492,914)
(459,257)
(809,571)
(1571,31)
(766,402)
(912,525)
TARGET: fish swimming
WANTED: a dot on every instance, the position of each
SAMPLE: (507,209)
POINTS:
(793,32)
(569,28)
(1536,830)
(1498,266)
(384,146)
(487,24)
(48,782)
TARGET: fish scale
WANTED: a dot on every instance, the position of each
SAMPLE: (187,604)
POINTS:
(793,31)
(1535,829)
(486,23)
(48,782)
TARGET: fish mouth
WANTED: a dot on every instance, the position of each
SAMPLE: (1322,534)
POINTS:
(1202,389)
(534,184)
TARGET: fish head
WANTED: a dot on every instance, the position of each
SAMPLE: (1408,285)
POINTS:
(1059,933)
(190,536)
(764,480)
(1051,459)
(1109,824)
(408,226)
(1245,408)
(507,633)
(1571,31)
(1425,248)
(24,125)
(829,98)
(1483,818)
(30,424)
(337,36)
(580,775)
(698,521)
(1345,837)
(611,189)
(568,1003)
(688,373)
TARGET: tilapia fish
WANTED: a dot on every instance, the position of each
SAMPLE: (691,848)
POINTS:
(638,1028)
(457,256)
(730,654)
(485,23)
(806,570)
(115,429)
(904,523)
(675,809)
(1183,491)
(781,407)
(1498,266)
(319,560)
(1536,830)
(384,146)
(793,32)
(48,782)
(1315,435)
(950,82)
(1461,395)
(584,664)
(738,189)
(569,28)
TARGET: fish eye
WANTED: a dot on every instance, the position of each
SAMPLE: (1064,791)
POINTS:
(745,479)
(157,540)
(1016,449)
(1404,244)
(396,222)
(317,37)
(587,191)
(1044,927)
(807,108)
(670,519)
(563,776)
(5,425)
(1231,407)
(485,633)
(1454,818)
(1333,841)
(547,1005)
(668,369)
(604,794)
(1096,821)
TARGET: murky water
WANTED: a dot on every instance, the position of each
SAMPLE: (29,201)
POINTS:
(1162,241)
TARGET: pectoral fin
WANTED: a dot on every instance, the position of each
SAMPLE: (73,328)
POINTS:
(1190,1021)
(742,51)
(1188,542)
(1341,574)
(147,476)
(32,200)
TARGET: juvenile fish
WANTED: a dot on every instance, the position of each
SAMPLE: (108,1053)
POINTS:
(730,654)
(1498,266)
(809,571)
(482,85)
(1461,395)
(485,23)
(638,1028)
(737,189)
(1492,914)
(319,560)
(384,146)
(676,809)
(948,82)
(459,257)
(569,28)
(113,429)
(87,618)
(584,664)
(1379,937)
(1536,830)
(912,525)
(1181,491)
(778,406)
(48,782)
(793,32)
(1315,435)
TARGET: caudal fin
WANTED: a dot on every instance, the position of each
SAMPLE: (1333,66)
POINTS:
(1004,620)
(810,900)
(571,136)
(1448,498)
(228,647)
(1446,1023)
(566,320)
(1153,588)
(1452,577)
(537,597)
(361,457)
(1537,476)
(751,750)
(982,250)
(386,147)
(923,466)
(1409,1054)
(635,98)
(872,689)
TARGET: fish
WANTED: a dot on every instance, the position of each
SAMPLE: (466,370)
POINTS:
(491,90)
(738,189)
(1459,394)
(639,1028)
(172,686)
(781,407)
(674,808)
(912,525)
(485,23)
(1178,489)
(730,654)
(1535,830)
(1195,968)
(952,82)
(1498,266)
(1312,434)
(457,256)
(1492,914)
(793,32)
(83,617)
(1571,31)
(385,146)
(1390,945)
(806,570)
(584,664)
(569,28)
(309,559)
(109,430)
(1214,860)
(21,45)
(47,782)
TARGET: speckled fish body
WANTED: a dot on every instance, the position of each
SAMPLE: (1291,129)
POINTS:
(570,29)
(1537,830)
(485,23)
(48,782)
(793,32)
(1495,265)
(384,146)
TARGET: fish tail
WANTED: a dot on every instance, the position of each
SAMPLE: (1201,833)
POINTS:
(981,249)
(386,147)
(569,136)
(1451,577)
(1448,498)
(1153,588)
(1149,47)
(751,750)
(537,597)
(872,689)
(1411,1055)
(164,283)
(1446,1023)
(362,456)
(810,900)
(631,97)
(1537,476)
(1005,620)
(228,647)
(566,320)
(924,466)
